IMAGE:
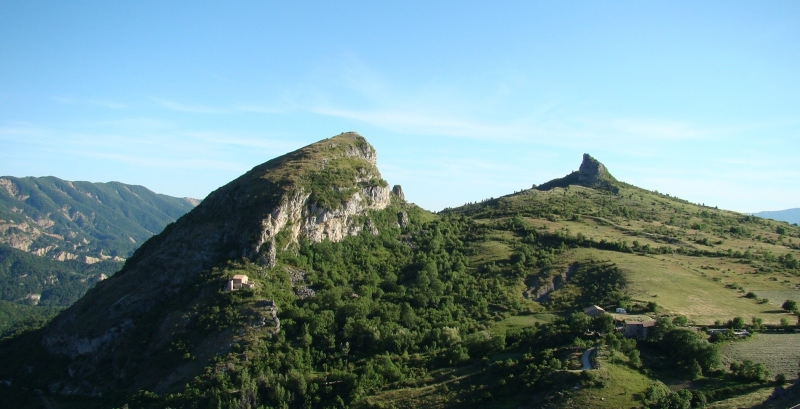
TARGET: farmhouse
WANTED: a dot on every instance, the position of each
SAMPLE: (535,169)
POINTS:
(238,282)
(593,311)
(636,329)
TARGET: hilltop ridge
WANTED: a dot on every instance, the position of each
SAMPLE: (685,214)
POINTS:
(591,174)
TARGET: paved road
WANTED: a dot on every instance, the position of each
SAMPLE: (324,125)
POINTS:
(585,359)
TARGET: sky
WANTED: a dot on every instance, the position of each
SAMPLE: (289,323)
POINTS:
(463,101)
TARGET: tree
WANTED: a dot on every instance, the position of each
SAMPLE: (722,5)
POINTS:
(663,326)
(737,323)
(696,370)
(603,323)
(686,347)
(749,370)
(579,323)
(633,356)
(790,305)
(680,321)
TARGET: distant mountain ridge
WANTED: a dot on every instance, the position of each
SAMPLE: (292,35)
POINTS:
(83,221)
(788,215)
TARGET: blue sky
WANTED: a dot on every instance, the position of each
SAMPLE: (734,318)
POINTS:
(462,100)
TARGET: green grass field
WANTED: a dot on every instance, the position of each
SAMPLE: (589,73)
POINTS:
(522,321)
(621,388)
(680,286)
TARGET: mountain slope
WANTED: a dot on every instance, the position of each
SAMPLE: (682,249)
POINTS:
(321,192)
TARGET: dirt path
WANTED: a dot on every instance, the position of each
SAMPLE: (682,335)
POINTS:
(585,359)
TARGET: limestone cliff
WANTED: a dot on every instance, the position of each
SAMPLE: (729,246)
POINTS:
(324,191)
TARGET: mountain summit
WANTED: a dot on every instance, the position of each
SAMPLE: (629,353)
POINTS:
(324,191)
(591,174)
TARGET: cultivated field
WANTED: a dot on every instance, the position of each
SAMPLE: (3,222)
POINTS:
(780,353)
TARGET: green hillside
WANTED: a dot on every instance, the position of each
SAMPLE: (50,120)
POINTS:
(477,306)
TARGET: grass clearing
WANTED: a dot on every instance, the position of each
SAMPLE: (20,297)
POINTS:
(522,321)
(622,387)
(492,250)
(679,286)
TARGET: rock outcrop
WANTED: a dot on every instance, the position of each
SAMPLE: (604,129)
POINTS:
(591,174)
(542,286)
(592,171)
(398,191)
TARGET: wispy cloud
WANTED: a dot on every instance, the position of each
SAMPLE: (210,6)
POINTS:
(409,122)
(657,129)
(232,139)
(135,123)
(97,102)
(149,161)
(181,107)
(260,109)
(10,130)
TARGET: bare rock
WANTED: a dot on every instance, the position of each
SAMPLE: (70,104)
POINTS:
(397,190)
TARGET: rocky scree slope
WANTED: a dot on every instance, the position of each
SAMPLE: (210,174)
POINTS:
(323,191)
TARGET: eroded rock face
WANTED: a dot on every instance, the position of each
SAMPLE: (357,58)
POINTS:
(402,219)
(591,170)
(307,219)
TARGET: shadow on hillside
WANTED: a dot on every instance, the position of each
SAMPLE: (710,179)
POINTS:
(782,397)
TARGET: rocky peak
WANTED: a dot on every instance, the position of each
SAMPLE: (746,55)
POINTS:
(397,190)
(592,171)
(591,174)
